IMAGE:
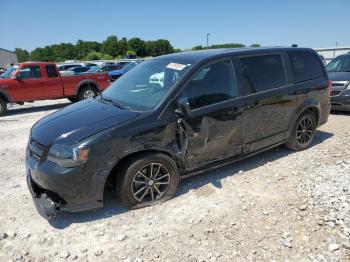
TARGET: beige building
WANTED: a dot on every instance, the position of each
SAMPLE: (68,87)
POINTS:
(7,58)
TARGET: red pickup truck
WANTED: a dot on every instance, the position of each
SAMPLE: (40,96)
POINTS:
(32,81)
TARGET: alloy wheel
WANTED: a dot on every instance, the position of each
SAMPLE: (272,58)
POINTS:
(150,183)
(89,94)
(305,130)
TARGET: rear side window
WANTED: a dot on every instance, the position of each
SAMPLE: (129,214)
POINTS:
(212,84)
(263,73)
(51,71)
(30,72)
(305,65)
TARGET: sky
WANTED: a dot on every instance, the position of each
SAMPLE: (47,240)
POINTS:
(185,23)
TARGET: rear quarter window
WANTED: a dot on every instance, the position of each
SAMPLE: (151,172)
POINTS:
(51,71)
(305,65)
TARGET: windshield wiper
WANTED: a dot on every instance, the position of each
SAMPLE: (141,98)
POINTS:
(113,102)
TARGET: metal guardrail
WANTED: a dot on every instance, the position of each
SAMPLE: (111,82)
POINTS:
(332,52)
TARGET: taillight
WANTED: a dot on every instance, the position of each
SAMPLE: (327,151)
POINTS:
(329,87)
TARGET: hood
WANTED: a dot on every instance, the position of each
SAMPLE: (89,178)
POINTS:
(116,72)
(78,121)
(339,76)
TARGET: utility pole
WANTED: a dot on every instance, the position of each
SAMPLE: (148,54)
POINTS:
(208,34)
(336,45)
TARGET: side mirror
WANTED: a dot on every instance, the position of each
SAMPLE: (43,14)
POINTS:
(183,107)
(18,76)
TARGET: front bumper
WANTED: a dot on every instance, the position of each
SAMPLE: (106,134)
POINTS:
(56,189)
(341,102)
(45,206)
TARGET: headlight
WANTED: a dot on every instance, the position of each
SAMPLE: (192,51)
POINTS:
(68,156)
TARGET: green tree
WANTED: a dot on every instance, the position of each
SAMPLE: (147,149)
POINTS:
(110,46)
(137,45)
(149,46)
(177,50)
(82,48)
(198,47)
(107,57)
(64,51)
(22,55)
(158,47)
(45,54)
(123,46)
(229,45)
(162,47)
(255,45)
(93,55)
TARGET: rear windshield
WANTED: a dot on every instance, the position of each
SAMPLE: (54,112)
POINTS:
(306,66)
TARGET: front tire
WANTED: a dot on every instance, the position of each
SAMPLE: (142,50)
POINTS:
(3,107)
(87,92)
(303,132)
(147,180)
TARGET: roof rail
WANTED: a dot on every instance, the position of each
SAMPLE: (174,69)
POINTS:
(294,45)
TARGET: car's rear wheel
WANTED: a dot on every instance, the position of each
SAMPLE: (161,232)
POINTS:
(303,132)
(3,107)
(87,92)
(147,180)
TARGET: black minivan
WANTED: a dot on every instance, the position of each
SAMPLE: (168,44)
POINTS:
(174,116)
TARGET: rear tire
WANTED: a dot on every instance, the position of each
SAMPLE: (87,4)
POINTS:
(147,180)
(87,92)
(303,132)
(3,106)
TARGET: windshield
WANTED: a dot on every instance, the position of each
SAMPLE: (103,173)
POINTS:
(339,64)
(10,71)
(143,87)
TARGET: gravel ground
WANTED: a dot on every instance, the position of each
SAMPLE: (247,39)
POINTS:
(276,206)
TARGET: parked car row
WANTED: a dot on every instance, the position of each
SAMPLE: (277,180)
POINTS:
(115,74)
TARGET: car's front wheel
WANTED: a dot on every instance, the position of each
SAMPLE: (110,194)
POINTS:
(303,132)
(87,92)
(147,180)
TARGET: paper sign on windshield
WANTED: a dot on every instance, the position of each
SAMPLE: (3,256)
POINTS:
(176,66)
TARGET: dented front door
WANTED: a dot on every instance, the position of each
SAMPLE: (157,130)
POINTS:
(212,135)
(212,124)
